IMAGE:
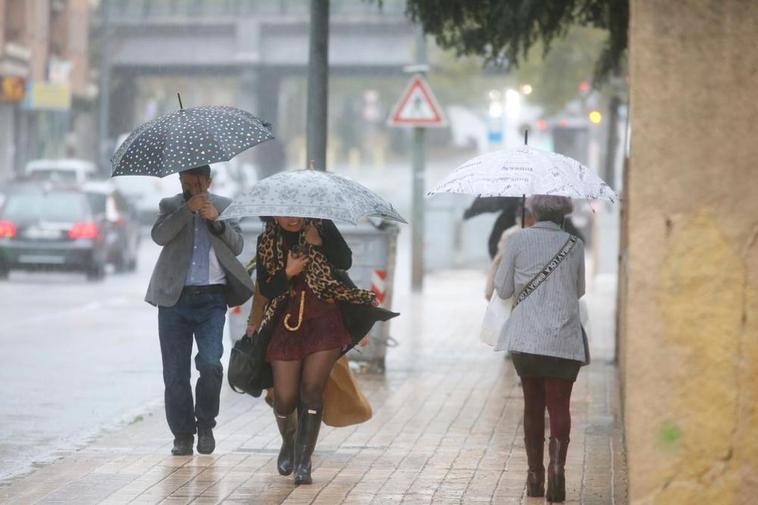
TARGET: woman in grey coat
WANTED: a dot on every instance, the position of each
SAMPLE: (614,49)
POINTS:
(544,333)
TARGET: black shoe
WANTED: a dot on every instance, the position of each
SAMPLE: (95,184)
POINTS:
(205,441)
(183,446)
(287,428)
(308,426)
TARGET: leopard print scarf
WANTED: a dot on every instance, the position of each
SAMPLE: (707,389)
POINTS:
(318,272)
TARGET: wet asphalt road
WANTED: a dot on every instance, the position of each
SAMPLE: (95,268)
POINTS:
(77,356)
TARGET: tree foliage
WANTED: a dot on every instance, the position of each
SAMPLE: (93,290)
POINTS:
(504,31)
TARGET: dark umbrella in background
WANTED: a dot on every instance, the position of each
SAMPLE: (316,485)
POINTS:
(507,206)
(189,138)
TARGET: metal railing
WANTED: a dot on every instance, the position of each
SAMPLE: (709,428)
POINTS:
(157,9)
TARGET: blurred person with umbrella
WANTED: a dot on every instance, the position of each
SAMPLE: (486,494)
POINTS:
(524,219)
(510,215)
(507,208)
(313,312)
(542,272)
(197,274)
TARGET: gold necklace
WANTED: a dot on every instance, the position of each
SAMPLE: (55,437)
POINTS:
(300,315)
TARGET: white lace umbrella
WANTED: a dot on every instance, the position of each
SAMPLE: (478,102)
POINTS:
(526,171)
(314,194)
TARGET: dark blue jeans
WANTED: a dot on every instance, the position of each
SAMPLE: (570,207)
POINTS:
(202,315)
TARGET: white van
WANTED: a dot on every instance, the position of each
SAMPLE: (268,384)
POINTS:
(66,170)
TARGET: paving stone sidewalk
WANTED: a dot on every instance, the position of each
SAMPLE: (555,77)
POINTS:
(446,430)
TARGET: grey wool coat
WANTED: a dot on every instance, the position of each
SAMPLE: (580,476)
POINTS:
(174,231)
(547,322)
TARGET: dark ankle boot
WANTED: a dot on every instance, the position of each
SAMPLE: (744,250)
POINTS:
(535,477)
(307,433)
(556,478)
(287,428)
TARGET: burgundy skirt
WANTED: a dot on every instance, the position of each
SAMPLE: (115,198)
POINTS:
(320,328)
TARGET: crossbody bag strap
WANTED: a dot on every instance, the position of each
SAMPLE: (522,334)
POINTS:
(549,268)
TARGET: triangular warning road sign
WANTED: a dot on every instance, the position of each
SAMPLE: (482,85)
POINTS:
(417,106)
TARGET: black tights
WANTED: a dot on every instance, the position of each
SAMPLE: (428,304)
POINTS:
(555,394)
(304,380)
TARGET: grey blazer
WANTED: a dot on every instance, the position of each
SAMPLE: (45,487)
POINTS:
(547,321)
(173,230)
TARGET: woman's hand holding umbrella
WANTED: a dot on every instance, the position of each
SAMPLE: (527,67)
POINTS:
(296,263)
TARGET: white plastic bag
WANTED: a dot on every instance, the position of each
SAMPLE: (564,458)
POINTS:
(495,317)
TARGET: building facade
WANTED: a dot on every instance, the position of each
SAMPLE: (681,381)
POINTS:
(689,301)
(46,82)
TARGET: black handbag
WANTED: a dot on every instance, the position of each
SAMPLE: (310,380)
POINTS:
(249,372)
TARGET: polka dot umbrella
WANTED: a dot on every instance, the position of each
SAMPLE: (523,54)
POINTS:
(188,138)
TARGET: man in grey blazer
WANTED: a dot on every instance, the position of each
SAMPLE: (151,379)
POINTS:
(196,277)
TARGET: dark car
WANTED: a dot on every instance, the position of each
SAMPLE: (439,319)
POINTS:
(121,228)
(47,227)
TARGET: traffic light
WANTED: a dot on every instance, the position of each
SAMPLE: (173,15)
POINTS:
(12,88)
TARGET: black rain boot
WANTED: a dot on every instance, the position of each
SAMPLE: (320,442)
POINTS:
(535,477)
(287,428)
(556,478)
(307,433)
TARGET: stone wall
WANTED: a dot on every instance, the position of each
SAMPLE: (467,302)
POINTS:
(689,298)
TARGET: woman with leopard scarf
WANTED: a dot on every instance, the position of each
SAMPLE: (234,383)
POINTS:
(314,315)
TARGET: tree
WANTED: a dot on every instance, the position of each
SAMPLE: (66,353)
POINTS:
(504,31)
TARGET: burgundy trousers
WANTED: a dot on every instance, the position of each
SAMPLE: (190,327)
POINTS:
(553,394)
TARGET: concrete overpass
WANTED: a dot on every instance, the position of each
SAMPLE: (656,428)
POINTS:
(259,42)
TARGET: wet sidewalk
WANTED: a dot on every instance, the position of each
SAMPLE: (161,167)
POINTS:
(446,430)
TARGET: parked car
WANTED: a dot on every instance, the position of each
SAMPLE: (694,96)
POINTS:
(67,170)
(50,227)
(121,228)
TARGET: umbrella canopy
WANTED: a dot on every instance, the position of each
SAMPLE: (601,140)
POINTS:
(314,194)
(188,138)
(527,171)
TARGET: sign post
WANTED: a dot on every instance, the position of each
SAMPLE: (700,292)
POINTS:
(418,108)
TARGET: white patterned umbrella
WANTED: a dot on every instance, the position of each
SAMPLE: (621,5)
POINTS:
(314,194)
(526,171)
(188,138)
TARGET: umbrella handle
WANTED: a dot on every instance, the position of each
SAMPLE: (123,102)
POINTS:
(523,208)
